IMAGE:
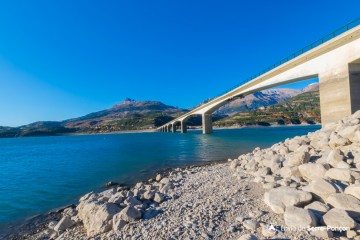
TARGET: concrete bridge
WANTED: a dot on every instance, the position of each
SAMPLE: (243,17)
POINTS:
(334,60)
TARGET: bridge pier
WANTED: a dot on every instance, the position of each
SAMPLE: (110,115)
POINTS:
(207,123)
(339,92)
(183,126)
(173,128)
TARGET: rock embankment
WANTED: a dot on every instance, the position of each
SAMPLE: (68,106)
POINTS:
(307,187)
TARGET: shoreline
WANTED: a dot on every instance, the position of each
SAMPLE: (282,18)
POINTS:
(257,195)
(32,224)
(196,128)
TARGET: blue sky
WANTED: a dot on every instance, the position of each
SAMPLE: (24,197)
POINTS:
(63,59)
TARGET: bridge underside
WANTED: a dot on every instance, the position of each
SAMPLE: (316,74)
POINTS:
(335,63)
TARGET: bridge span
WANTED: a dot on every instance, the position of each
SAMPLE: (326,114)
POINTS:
(334,60)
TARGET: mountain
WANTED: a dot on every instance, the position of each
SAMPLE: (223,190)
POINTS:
(263,99)
(125,116)
(303,108)
(258,99)
(313,87)
(268,106)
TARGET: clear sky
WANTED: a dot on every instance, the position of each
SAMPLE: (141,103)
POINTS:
(64,59)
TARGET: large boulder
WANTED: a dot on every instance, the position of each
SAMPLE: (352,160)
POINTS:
(323,188)
(346,202)
(280,198)
(297,158)
(132,201)
(341,174)
(118,222)
(338,218)
(96,216)
(335,157)
(290,171)
(349,132)
(338,141)
(318,208)
(312,171)
(129,214)
(64,223)
(299,217)
(353,190)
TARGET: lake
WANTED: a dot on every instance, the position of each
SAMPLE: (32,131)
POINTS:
(43,173)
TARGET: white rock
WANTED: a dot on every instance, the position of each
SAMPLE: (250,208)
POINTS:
(288,172)
(353,190)
(279,198)
(96,216)
(334,157)
(258,179)
(337,141)
(312,171)
(351,234)
(346,202)
(167,188)
(268,231)
(338,218)
(129,214)
(149,195)
(159,197)
(299,217)
(322,233)
(251,224)
(341,174)
(132,201)
(297,158)
(323,188)
(118,223)
(349,132)
(158,177)
(318,208)
(64,223)
(165,180)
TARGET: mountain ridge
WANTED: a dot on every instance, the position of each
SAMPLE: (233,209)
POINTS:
(130,115)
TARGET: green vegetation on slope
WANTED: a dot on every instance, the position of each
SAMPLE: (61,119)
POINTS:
(304,108)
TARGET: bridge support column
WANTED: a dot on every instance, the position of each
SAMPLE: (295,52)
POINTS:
(183,126)
(339,92)
(207,123)
(173,128)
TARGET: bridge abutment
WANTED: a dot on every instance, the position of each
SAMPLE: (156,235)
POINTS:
(207,123)
(339,92)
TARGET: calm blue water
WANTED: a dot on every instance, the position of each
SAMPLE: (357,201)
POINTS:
(39,174)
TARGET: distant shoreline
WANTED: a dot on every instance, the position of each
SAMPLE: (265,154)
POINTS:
(197,128)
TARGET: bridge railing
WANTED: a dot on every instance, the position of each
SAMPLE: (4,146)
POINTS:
(307,48)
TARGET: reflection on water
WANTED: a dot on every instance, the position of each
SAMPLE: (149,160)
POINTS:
(38,174)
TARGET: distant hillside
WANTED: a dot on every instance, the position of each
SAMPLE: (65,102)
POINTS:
(303,108)
(258,99)
(125,116)
(141,115)
(263,99)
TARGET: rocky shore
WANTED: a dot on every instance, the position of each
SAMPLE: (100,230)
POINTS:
(307,187)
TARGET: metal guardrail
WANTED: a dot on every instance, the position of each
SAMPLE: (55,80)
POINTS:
(307,48)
